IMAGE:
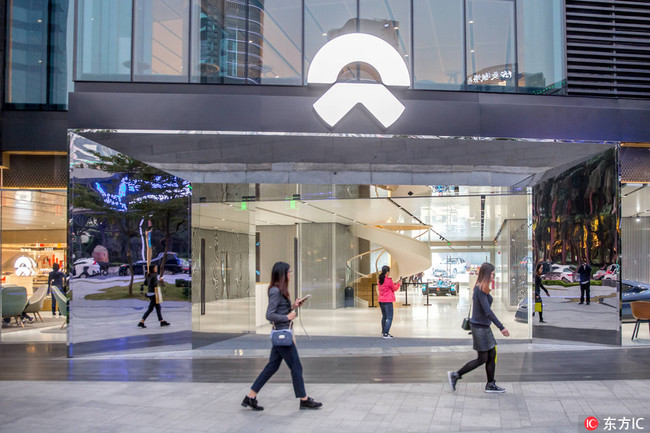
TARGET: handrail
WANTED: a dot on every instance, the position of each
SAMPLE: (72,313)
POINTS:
(347,263)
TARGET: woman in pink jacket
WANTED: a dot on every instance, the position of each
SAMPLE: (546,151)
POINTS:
(386,293)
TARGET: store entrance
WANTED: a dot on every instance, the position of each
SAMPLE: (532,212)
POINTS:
(337,238)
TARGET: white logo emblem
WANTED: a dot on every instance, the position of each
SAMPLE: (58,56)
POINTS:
(342,97)
(25,266)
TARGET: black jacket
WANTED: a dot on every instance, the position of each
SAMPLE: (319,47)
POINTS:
(152,282)
(539,287)
(585,273)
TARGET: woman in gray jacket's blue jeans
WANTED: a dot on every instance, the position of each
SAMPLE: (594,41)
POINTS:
(280,312)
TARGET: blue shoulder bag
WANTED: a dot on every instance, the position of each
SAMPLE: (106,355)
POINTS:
(282,337)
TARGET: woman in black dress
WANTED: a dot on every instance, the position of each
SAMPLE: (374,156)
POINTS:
(484,342)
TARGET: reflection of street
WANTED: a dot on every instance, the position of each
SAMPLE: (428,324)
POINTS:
(562,308)
(116,320)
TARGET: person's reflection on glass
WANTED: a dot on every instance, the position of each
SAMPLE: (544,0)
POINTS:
(584,271)
(55,278)
(539,305)
(154,301)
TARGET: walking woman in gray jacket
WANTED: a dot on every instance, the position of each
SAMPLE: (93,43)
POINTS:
(280,313)
(484,342)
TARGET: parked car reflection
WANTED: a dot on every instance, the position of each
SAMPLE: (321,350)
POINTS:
(173,265)
(607,269)
(566,273)
(83,268)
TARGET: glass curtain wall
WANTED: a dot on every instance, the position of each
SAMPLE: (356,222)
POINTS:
(439,45)
(161,40)
(249,42)
(38,76)
(474,45)
(491,60)
(104,40)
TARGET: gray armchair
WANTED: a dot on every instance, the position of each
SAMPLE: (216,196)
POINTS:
(35,304)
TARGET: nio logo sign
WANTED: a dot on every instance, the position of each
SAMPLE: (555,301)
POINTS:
(25,266)
(342,97)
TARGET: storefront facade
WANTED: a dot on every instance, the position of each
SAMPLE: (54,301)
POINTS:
(221,95)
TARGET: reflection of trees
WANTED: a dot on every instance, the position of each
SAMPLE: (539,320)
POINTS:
(574,214)
(152,194)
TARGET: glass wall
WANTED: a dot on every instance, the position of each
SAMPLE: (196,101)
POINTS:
(438,32)
(38,75)
(540,46)
(126,216)
(475,45)
(491,61)
(324,20)
(161,40)
(104,40)
(391,21)
(33,238)
(251,42)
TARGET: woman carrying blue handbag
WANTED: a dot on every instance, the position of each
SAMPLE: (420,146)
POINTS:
(281,315)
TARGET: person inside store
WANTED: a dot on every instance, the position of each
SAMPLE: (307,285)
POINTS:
(539,305)
(386,294)
(56,278)
(483,339)
(281,313)
(154,301)
(584,273)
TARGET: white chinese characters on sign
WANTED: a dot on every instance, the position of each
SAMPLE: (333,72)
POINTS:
(623,424)
(489,76)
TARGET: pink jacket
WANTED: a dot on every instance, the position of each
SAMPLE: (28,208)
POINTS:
(387,290)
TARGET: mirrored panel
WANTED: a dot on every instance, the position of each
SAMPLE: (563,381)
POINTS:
(129,254)
(575,222)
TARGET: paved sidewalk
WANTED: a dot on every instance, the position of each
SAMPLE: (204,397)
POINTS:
(145,407)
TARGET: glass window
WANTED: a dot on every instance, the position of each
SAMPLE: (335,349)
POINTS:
(224,49)
(491,63)
(540,43)
(104,40)
(281,47)
(389,20)
(37,72)
(438,44)
(325,20)
(256,42)
(161,40)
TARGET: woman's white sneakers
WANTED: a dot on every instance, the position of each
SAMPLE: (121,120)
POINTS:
(387,336)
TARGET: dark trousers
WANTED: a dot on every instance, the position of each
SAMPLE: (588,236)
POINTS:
(54,299)
(386,316)
(488,358)
(290,356)
(585,291)
(152,305)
